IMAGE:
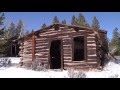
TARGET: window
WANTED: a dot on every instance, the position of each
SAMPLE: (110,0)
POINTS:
(79,50)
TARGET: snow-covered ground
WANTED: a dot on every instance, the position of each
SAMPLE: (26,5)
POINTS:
(111,70)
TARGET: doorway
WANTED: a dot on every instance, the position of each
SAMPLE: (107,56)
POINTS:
(55,54)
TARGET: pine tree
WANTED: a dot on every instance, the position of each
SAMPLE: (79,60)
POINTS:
(55,20)
(20,31)
(11,30)
(73,21)
(2,32)
(44,25)
(95,24)
(115,41)
(2,17)
(64,22)
(81,21)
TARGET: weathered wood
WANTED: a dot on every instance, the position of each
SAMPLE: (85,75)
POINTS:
(90,52)
(91,57)
(65,34)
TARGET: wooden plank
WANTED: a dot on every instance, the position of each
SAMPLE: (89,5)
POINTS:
(91,57)
(90,39)
(89,52)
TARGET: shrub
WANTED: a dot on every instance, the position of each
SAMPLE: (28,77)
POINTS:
(76,74)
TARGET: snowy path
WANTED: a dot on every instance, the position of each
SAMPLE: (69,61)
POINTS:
(112,70)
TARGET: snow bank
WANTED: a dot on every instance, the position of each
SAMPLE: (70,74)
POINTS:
(14,72)
(111,70)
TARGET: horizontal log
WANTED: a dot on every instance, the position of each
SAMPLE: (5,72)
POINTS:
(91,57)
(43,56)
(67,55)
(38,54)
(91,60)
(40,39)
(67,47)
(67,52)
(65,36)
(71,61)
(48,34)
(41,44)
(90,52)
(90,39)
(67,59)
(67,43)
(91,44)
(90,35)
(40,47)
(89,49)
(27,53)
(27,46)
(27,49)
(75,64)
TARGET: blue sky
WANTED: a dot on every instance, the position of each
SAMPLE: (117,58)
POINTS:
(34,20)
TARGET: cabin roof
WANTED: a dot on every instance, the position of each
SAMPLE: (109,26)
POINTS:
(62,25)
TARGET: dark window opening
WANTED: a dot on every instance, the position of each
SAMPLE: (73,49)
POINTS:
(79,48)
(55,55)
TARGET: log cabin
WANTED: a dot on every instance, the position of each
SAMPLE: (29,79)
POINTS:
(61,46)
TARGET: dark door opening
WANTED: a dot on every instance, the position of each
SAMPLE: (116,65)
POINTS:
(13,50)
(79,48)
(55,55)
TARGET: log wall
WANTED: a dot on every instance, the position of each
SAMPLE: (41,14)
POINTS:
(44,39)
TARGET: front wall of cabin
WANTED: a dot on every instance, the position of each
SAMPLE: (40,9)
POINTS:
(42,47)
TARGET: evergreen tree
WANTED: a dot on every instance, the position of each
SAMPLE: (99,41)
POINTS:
(95,24)
(81,21)
(115,41)
(20,31)
(73,22)
(2,17)
(64,22)
(55,20)
(2,32)
(44,25)
(11,30)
